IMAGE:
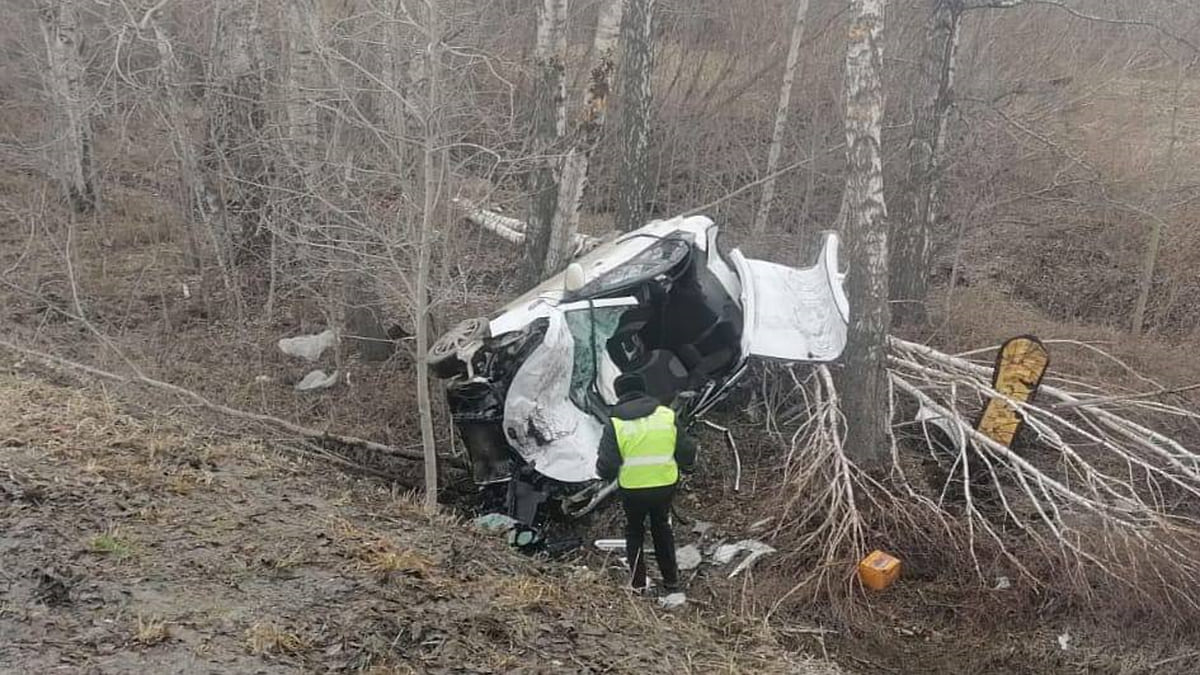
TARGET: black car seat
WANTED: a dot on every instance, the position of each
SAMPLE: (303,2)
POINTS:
(664,375)
(626,347)
(715,349)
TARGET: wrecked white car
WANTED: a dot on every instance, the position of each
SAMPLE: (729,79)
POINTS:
(529,387)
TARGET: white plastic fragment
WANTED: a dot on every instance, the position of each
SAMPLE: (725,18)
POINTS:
(1002,583)
(317,379)
(687,557)
(1064,640)
(725,553)
(672,600)
(308,347)
(495,522)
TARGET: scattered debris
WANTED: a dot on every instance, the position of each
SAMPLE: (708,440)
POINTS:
(672,600)
(725,553)
(308,347)
(688,557)
(317,379)
(878,570)
(495,522)
(1002,583)
(1064,640)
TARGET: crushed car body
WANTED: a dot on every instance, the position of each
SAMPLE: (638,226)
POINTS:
(529,388)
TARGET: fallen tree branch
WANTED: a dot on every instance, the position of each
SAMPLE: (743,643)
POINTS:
(349,441)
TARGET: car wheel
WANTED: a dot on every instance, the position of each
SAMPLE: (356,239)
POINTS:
(443,355)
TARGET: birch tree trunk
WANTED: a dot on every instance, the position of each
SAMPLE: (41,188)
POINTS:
(781,117)
(301,23)
(587,134)
(72,129)
(637,31)
(431,188)
(864,220)
(911,243)
(550,122)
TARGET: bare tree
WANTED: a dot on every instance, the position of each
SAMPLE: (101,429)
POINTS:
(781,116)
(432,185)
(550,122)
(637,68)
(911,242)
(65,80)
(863,218)
(586,136)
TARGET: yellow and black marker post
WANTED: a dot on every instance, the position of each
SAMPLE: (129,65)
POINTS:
(1019,369)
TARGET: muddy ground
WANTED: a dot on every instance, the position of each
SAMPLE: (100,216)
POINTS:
(148,543)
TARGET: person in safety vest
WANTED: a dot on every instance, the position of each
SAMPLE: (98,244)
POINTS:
(644,450)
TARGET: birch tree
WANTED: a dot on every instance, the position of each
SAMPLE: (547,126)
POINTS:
(585,137)
(637,68)
(781,117)
(911,242)
(65,79)
(431,191)
(550,123)
(863,219)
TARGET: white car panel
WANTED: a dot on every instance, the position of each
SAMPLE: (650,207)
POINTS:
(794,314)
(541,423)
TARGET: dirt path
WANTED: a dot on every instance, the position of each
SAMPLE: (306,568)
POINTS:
(142,545)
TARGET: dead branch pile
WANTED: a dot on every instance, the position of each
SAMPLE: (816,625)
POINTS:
(1087,499)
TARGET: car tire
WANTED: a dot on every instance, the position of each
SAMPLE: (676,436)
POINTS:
(443,357)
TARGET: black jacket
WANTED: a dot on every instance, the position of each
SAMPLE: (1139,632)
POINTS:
(608,462)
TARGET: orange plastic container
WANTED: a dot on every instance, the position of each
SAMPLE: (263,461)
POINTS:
(878,570)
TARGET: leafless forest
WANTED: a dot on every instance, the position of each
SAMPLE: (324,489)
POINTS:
(185,182)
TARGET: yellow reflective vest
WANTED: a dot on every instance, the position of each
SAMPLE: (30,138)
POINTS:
(647,447)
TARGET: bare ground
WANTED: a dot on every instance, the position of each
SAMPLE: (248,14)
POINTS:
(151,545)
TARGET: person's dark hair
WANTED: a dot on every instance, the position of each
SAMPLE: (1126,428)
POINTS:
(629,383)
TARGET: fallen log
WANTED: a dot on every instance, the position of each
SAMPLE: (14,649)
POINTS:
(292,427)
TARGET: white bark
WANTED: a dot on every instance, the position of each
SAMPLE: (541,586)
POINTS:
(550,124)
(637,68)
(301,21)
(431,189)
(65,77)
(574,169)
(781,116)
(864,218)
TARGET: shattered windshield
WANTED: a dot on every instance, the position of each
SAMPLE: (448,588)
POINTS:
(590,328)
(660,258)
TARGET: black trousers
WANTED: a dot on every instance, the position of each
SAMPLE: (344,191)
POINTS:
(654,503)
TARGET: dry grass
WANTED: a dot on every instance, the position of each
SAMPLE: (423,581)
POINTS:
(526,592)
(152,631)
(265,638)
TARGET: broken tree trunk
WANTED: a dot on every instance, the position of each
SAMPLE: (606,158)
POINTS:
(911,242)
(637,34)
(781,116)
(550,121)
(573,174)
(864,220)
(65,78)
